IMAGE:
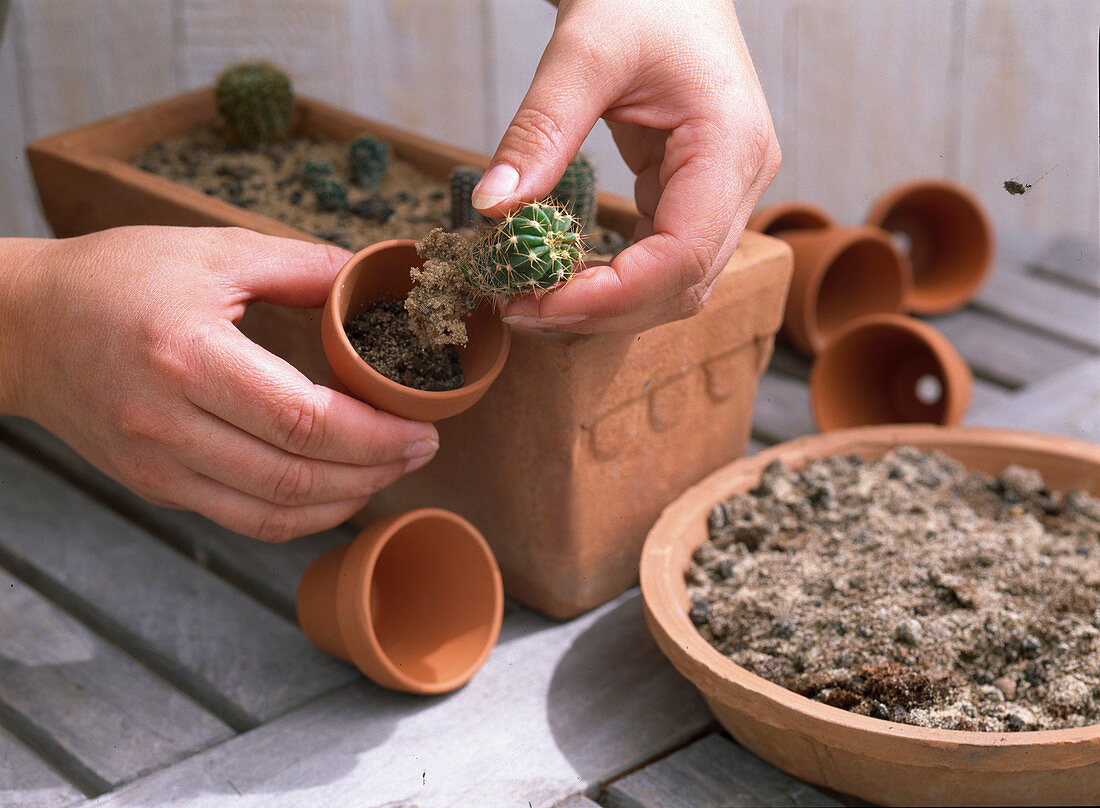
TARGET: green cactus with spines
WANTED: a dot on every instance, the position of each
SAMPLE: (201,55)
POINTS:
(534,248)
(332,194)
(461,182)
(314,171)
(368,158)
(255,100)
(576,191)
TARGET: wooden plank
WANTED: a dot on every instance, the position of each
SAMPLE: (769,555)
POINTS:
(557,709)
(310,41)
(713,772)
(1004,352)
(269,572)
(86,59)
(100,716)
(423,70)
(1029,112)
(25,780)
(875,99)
(221,647)
(1067,403)
(1053,308)
(19,215)
(1072,259)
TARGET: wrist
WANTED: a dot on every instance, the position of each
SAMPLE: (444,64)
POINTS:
(21,270)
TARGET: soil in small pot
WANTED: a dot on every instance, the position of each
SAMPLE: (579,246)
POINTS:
(911,589)
(383,337)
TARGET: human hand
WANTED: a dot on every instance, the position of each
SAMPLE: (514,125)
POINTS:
(675,83)
(123,344)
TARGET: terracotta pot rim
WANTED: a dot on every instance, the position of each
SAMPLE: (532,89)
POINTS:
(355,624)
(763,220)
(701,663)
(331,312)
(957,388)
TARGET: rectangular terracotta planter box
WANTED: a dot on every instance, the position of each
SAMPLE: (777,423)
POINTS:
(568,460)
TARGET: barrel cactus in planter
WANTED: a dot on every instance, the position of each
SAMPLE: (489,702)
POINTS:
(254,100)
(576,191)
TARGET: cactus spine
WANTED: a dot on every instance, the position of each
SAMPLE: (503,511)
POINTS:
(254,100)
(369,158)
(534,248)
(576,192)
(462,182)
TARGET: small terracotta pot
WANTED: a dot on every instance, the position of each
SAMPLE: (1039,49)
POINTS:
(840,275)
(889,369)
(950,241)
(885,762)
(784,216)
(415,601)
(381,272)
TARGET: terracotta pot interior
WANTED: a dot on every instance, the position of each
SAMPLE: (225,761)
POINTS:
(948,243)
(863,278)
(796,219)
(425,608)
(385,276)
(879,374)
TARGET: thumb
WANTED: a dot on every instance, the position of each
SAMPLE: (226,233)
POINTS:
(284,271)
(566,98)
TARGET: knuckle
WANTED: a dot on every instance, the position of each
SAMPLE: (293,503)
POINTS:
(300,423)
(693,300)
(294,484)
(534,131)
(275,524)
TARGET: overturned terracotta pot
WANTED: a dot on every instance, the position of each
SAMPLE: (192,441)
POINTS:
(840,275)
(885,762)
(786,216)
(415,601)
(948,237)
(889,369)
(381,272)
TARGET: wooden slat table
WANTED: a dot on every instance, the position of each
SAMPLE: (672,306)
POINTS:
(149,657)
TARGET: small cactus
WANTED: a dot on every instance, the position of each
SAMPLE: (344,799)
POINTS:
(255,100)
(331,194)
(576,192)
(534,248)
(462,182)
(369,158)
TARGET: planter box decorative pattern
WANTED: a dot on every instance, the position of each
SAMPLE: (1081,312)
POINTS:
(571,455)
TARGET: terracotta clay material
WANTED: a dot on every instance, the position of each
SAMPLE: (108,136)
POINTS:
(949,237)
(381,272)
(840,275)
(889,369)
(415,601)
(786,216)
(880,761)
(555,463)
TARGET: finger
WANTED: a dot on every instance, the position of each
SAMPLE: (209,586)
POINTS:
(252,466)
(253,516)
(287,272)
(567,96)
(224,373)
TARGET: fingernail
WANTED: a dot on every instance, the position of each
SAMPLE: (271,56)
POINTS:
(526,321)
(498,184)
(421,449)
(563,319)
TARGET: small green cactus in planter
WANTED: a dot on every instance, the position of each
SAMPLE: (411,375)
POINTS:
(576,191)
(463,213)
(532,249)
(331,194)
(369,158)
(255,100)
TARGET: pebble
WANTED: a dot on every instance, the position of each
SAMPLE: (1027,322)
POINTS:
(909,632)
(1007,685)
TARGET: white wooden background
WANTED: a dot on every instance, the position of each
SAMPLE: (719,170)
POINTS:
(865,93)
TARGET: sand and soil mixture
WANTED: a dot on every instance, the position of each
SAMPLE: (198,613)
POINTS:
(910,589)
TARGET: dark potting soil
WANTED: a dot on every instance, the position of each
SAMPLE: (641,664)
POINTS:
(383,337)
(911,589)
